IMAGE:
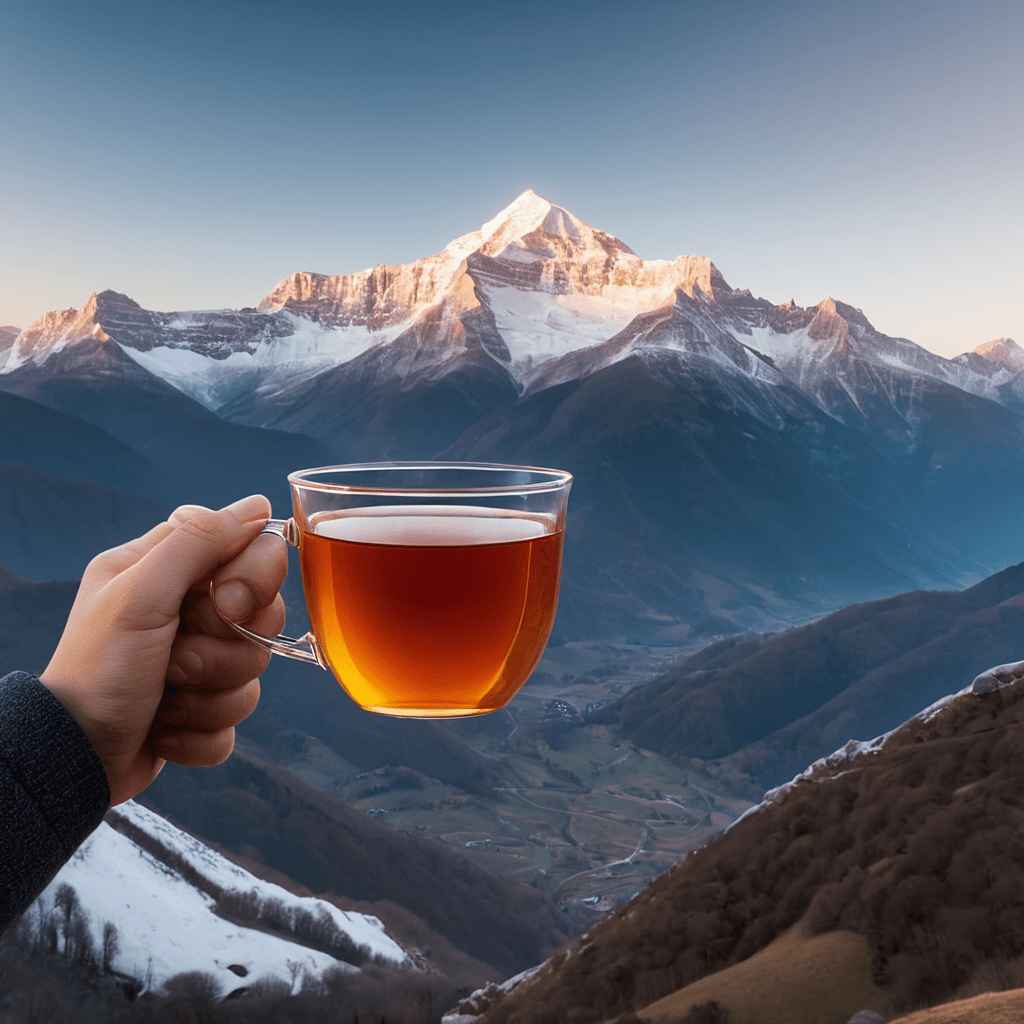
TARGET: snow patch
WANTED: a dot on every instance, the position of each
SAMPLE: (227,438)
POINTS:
(308,350)
(470,1009)
(167,926)
(538,325)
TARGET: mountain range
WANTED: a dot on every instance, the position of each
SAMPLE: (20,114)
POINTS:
(739,463)
(533,289)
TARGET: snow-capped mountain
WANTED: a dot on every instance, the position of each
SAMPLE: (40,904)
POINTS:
(536,291)
(551,298)
(813,459)
(1004,353)
(172,899)
(1001,361)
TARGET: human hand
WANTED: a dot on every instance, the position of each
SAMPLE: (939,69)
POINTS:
(145,664)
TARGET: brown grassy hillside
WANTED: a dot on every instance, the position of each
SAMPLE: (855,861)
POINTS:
(796,979)
(918,847)
(989,1008)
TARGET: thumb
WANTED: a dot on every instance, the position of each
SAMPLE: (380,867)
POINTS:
(202,540)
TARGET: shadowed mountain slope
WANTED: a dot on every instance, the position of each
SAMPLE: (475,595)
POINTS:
(764,706)
(194,455)
(33,616)
(67,490)
(695,485)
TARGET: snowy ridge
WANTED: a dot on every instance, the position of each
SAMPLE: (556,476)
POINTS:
(987,682)
(554,290)
(305,351)
(469,1009)
(167,925)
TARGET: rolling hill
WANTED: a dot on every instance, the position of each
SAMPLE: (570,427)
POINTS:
(988,1008)
(33,615)
(760,707)
(902,855)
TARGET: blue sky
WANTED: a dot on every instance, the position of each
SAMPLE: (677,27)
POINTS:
(192,154)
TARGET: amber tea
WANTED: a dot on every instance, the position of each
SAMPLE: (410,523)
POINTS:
(431,611)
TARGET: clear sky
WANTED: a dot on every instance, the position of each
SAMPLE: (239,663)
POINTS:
(193,153)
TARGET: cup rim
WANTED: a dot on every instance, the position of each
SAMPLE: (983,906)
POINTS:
(555,479)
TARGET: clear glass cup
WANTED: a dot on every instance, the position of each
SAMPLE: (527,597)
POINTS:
(431,586)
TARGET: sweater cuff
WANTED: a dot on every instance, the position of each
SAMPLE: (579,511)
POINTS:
(57,782)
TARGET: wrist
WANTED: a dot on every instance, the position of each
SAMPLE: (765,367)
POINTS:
(65,690)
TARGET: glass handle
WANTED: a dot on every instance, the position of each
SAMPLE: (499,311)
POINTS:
(301,648)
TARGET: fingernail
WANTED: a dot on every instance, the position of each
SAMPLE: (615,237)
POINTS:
(256,506)
(234,600)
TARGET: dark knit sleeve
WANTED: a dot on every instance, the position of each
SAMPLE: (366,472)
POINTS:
(53,790)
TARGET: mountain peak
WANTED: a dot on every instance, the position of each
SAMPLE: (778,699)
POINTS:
(526,200)
(830,309)
(1004,351)
(830,304)
(108,299)
(524,214)
(58,328)
(533,227)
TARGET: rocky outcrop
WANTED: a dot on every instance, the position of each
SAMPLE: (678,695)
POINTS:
(111,316)
(1003,352)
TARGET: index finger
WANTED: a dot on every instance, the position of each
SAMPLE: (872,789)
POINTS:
(252,579)
(200,542)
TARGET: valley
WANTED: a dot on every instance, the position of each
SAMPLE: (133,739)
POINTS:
(589,823)
(582,816)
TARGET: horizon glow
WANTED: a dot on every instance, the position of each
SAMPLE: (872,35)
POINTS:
(191,158)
